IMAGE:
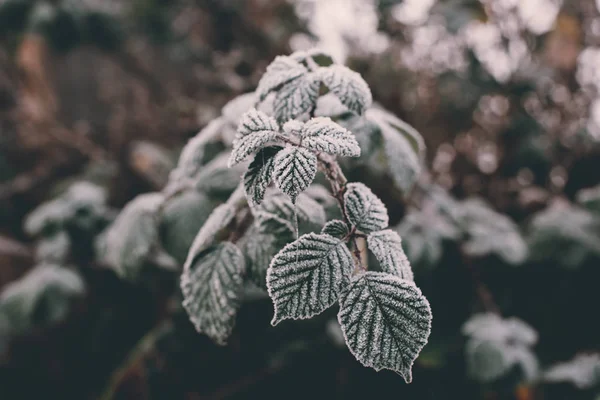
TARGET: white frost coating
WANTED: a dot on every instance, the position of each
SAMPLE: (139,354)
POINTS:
(218,220)
(293,127)
(254,131)
(365,210)
(323,135)
(282,70)
(306,208)
(260,174)
(336,228)
(386,321)
(297,97)
(348,86)
(295,169)
(386,245)
(306,276)
(211,290)
(490,326)
(583,371)
(267,235)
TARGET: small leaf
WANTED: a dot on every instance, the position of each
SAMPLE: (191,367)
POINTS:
(297,97)
(306,276)
(211,289)
(386,321)
(255,130)
(259,174)
(306,208)
(348,86)
(295,169)
(324,135)
(282,70)
(262,242)
(365,210)
(336,228)
(387,247)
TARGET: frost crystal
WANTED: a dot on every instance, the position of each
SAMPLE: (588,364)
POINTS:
(281,71)
(259,174)
(386,321)
(297,97)
(211,289)
(336,228)
(295,169)
(323,135)
(306,276)
(348,86)
(386,245)
(365,210)
(255,130)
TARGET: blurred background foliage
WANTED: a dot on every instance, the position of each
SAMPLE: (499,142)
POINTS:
(98,97)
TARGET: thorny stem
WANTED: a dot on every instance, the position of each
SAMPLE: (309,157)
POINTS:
(338,182)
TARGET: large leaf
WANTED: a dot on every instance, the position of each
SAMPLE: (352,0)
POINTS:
(282,70)
(254,131)
(297,97)
(260,173)
(306,276)
(323,135)
(295,169)
(386,321)
(386,245)
(211,289)
(262,242)
(365,210)
(404,147)
(348,86)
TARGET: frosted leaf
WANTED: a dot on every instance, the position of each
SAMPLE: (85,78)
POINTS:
(319,56)
(336,228)
(182,217)
(386,321)
(236,107)
(216,178)
(47,216)
(306,208)
(262,242)
(42,297)
(583,371)
(490,232)
(329,105)
(254,131)
(211,288)
(293,127)
(260,173)
(590,198)
(323,135)
(207,235)
(196,152)
(54,248)
(295,169)
(297,97)
(365,210)
(490,326)
(487,360)
(306,276)
(386,245)
(127,243)
(348,86)
(282,70)
(404,147)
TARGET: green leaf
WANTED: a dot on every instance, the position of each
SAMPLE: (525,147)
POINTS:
(211,289)
(297,97)
(262,242)
(336,228)
(306,276)
(282,70)
(386,321)
(254,131)
(323,135)
(365,211)
(348,86)
(295,169)
(259,174)
(386,245)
